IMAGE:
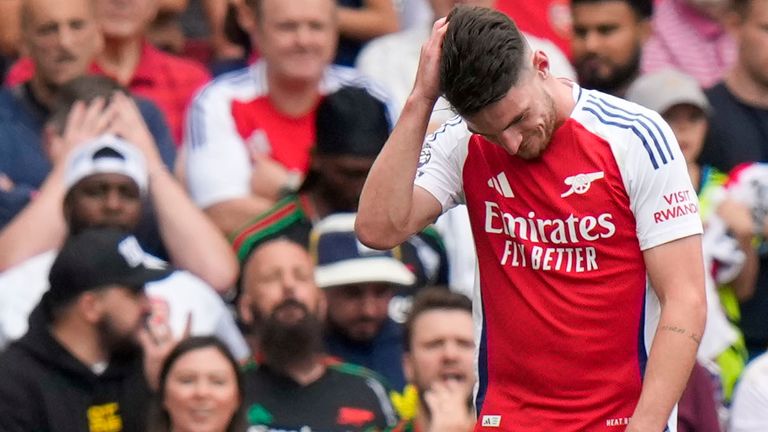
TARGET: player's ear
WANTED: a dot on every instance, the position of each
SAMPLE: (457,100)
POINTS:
(540,62)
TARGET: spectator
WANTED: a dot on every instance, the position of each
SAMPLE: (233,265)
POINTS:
(222,47)
(129,59)
(352,126)
(102,184)
(689,35)
(165,31)
(608,36)
(749,412)
(359,283)
(739,134)
(200,388)
(439,361)
(90,89)
(739,128)
(361,21)
(206,253)
(79,367)
(251,132)
(697,408)
(748,186)
(59,55)
(296,384)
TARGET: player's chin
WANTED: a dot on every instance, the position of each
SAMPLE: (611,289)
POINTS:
(531,151)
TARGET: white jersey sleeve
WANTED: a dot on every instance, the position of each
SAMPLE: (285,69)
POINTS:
(663,199)
(218,167)
(441,163)
(652,166)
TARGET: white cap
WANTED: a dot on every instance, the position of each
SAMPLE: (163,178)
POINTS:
(342,260)
(107,154)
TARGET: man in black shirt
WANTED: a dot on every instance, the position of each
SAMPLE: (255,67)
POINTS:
(738,134)
(80,366)
(739,127)
(293,385)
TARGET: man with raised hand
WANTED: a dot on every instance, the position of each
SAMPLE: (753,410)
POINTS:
(591,299)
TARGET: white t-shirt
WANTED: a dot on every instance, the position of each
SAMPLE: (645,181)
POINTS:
(176,296)
(749,411)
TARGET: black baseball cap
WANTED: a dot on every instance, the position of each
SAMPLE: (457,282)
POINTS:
(351,121)
(98,257)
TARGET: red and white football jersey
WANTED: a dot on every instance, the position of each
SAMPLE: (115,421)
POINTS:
(564,312)
(232,117)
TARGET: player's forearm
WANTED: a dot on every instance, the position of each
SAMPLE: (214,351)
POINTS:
(194,243)
(671,359)
(385,212)
(38,228)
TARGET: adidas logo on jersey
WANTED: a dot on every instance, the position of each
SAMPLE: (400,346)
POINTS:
(501,184)
(493,421)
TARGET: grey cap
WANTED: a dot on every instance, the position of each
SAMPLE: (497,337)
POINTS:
(666,88)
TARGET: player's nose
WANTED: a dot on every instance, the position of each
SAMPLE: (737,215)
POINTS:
(511,140)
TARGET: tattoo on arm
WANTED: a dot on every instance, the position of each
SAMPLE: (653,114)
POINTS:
(679,330)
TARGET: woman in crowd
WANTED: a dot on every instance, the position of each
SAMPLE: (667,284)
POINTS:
(200,389)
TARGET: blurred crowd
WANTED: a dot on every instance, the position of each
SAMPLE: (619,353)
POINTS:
(178,187)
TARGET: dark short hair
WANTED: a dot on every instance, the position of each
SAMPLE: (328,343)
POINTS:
(159,420)
(83,88)
(482,57)
(351,121)
(642,8)
(429,299)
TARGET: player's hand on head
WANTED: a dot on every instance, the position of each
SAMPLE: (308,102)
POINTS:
(427,83)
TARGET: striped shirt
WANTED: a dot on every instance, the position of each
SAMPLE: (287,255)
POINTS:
(686,40)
